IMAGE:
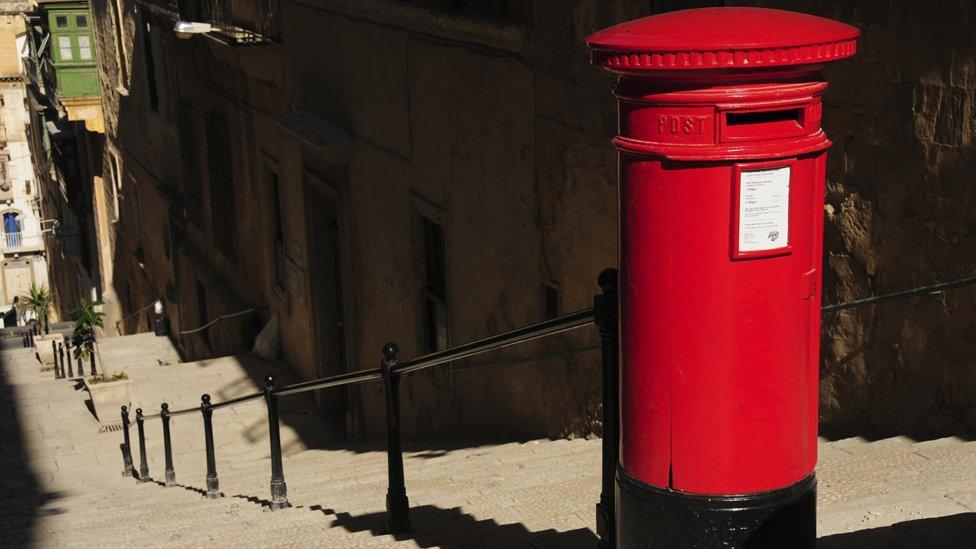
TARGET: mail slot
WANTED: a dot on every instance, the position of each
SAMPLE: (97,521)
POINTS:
(762,124)
(721,163)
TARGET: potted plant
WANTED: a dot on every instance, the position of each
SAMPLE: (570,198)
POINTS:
(87,318)
(40,301)
(108,393)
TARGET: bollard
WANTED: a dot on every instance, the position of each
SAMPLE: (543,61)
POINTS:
(397,504)
(213,484)
(54,357)
(128,471)
(143,463)
(279,492)
(64,372)
(67,346)
(605,307)
(81,365)
(167,445)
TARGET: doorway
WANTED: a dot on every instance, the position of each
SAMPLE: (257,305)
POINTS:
(18,274)
(327,303)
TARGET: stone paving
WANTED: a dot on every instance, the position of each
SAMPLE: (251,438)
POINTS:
(61,483)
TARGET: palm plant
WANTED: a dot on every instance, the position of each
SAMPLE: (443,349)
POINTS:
(87,318)
(40,301)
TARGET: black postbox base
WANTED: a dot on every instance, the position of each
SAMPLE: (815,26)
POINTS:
(653,517)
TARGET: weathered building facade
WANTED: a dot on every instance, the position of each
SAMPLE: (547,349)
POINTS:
(434,171)
(64,109)
(23,258)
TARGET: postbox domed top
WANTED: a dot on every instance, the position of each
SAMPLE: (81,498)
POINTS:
(721,38)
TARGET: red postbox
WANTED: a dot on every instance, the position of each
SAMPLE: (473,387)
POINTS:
(722,166)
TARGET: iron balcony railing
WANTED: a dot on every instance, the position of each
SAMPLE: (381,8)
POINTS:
(242,21)
(390,372)
(20,240)
(15,240)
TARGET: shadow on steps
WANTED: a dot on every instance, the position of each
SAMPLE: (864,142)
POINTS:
(443,528)
(951,532)
(454,529)
(21,493)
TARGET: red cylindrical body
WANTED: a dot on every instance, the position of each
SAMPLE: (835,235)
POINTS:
(722,167)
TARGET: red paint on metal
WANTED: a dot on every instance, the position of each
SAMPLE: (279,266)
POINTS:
(719,345)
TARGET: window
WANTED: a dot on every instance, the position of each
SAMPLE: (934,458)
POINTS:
(61,21)
(4,170)
(147,49)
(550,301)
(84,47)
(120,53)
(492,8)
(279,230)
(434,290)
(81,21)
(113,186)
(223,211)
(64,47)
(189,154)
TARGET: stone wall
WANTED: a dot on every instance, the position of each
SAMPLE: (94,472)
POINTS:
(502,127)
(901,213)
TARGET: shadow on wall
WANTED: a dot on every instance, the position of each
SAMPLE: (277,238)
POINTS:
(951,532)
(23,497)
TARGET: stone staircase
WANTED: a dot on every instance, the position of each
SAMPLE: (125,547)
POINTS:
(61,484)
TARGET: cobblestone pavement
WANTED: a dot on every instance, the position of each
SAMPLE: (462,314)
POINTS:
(61,483)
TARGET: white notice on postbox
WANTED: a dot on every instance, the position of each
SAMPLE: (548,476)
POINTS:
(764,209)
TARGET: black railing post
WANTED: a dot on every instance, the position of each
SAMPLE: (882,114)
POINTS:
(605,315)
(128,471)
(64,370)
(213,485)
(67,360)
(167,445)
(91,359)
(54,357)
(397,504)
(81,364)
(143,462)
(279,492)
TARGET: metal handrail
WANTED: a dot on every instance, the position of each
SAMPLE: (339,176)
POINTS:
(219,319)
(118,323)
(505,339)
(513,337)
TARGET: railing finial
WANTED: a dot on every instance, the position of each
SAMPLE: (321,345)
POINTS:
(607,279)
(391,351)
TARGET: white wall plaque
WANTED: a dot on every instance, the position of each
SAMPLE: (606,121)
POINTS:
(764,210)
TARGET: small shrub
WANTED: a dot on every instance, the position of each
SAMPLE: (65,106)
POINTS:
(88,317)
(107,378)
